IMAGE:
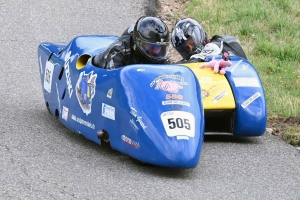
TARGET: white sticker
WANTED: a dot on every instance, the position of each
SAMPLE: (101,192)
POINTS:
(251,99)
(235,66)
(176,102)
(40,64)
(206,79)
(58,100)
(219,96)
(48,76)
(110,93)
(65,113)
(246,82)
(179,124)
(108,111)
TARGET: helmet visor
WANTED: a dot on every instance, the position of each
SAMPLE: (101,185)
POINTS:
(187,48)
(157,51)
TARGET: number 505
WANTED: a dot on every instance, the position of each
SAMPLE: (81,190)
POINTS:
(179,123)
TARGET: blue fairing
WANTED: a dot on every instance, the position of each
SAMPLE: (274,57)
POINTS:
(153,113)
(251,108)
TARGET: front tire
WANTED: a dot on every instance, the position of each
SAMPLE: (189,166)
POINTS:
(103,135)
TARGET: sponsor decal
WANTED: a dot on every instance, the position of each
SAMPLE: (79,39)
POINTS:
(85,90)
(162,42)
(184,103)
(175,107)
(205,93)
(251,99)
(40,64)
(83,122)
(174,96)
(208,91)
(138,118)
(65,113)
(169,83)
(179,124)
(246,82)
(48,76)
(129,141)
(235,66)
(58,99)
(110,93)
(133,124)
(219,96)
(68,73)
(108,111)
(172,103)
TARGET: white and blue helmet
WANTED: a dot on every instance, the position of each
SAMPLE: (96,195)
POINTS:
(188,37)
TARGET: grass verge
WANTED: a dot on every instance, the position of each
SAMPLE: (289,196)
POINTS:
(269,33)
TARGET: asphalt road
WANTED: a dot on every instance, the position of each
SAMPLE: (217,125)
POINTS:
(40,159)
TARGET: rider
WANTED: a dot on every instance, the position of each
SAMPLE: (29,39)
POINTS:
(190,40)
(145,42)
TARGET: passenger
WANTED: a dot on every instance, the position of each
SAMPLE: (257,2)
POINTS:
(191,41)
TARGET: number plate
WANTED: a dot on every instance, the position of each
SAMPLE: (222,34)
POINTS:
(179,123)
(48,76)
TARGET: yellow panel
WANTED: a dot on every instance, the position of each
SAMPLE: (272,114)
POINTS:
(216,91)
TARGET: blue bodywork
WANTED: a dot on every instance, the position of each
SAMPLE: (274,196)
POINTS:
(251,108)
(153,113)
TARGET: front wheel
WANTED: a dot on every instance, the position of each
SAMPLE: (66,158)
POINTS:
(103,135)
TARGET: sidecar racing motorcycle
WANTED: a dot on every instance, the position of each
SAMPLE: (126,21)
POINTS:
(156,114)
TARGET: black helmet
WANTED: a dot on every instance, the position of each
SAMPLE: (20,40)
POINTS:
(188,37)
(151,39)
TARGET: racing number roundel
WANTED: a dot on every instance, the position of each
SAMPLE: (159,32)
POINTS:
(179,124)
(48,76)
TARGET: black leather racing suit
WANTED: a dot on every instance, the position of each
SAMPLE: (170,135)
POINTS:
(120,53)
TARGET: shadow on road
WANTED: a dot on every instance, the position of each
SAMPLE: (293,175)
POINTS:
(230,139)
(116,158)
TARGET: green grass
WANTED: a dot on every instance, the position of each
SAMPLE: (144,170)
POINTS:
(292,136)
(269,32)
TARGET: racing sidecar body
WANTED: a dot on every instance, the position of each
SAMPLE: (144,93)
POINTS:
(153,113)
(157,114)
